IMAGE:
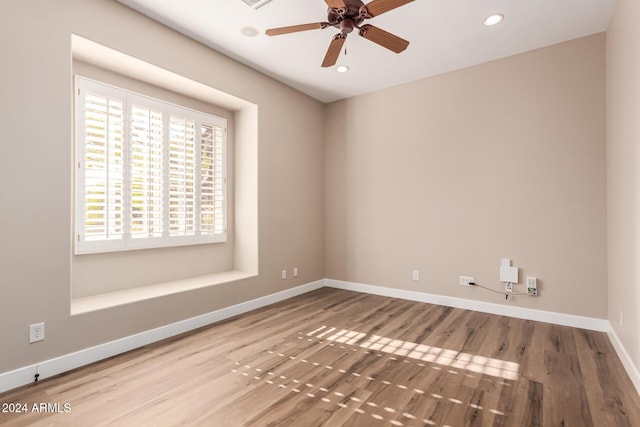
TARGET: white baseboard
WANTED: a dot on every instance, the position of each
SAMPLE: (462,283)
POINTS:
(590,323)
(48,368)
(628,364)
(25,375)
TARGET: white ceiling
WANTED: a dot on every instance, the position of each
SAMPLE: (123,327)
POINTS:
(445,35)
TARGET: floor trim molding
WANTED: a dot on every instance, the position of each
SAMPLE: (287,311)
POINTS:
(25,375)
(48,368)
(601,325)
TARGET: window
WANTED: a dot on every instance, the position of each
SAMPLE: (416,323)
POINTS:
(149,173)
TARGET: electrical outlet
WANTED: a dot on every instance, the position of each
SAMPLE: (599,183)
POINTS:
(466,280)
(284,274)
(508,287)
(36,332)
(416,275)
(532,286)
(295,271)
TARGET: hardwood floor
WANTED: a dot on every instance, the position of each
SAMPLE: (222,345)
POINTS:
(339,358)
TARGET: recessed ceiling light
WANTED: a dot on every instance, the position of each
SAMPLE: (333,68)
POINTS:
(493,19)
(342,68)
(249,31)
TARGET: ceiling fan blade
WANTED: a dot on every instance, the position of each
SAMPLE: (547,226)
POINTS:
(383,38)
(378,7)
(296,28)
(335,3)
(334,50)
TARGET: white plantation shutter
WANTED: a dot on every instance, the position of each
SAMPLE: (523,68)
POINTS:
(146,172)
(103,125)
(182,182)
(212,197)
(149,173)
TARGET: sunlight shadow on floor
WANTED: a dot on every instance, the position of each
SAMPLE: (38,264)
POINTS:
(470,362)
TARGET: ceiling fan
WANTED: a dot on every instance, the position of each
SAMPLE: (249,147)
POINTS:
(347,15)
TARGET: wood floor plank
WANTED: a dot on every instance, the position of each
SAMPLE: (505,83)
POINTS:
(532,363)
(338,358)
(565,398)
(600,367)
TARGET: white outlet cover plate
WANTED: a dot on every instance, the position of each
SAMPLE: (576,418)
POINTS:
(465,280)
(36,332)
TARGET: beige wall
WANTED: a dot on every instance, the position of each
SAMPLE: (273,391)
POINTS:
(623,174)
(36,175)
(449,174)
(445,175)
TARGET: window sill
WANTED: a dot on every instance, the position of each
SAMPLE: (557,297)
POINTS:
(112,299)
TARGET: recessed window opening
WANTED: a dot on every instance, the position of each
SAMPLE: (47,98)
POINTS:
(149,173)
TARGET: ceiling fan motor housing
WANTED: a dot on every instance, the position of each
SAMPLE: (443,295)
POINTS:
(346,18)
